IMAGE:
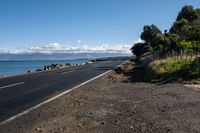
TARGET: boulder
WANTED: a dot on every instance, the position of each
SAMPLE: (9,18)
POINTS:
(118,70)
(28,71)
(38,70)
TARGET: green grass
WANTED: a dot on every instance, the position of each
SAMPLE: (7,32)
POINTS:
(175,69)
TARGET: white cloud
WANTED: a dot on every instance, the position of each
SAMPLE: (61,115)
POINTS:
(58,48)
(139,40)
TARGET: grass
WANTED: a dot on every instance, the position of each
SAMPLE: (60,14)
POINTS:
(175,69)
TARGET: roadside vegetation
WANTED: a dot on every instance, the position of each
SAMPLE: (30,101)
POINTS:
(174,53)
(172,69)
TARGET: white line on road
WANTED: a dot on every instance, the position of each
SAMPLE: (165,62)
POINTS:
(3,87)
(68,72)
(53,98)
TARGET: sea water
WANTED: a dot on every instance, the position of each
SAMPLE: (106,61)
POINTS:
(9,68)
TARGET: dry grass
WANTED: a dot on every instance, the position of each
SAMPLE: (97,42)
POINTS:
(121,77)
(128,66)
(117,77)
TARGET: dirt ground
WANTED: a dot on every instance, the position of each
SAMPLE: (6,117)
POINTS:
(108,105)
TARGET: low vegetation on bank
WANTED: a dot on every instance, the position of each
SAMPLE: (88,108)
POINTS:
(174,54)
(175,69)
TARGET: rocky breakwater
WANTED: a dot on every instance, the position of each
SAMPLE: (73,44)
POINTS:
(56,66)
(59,66)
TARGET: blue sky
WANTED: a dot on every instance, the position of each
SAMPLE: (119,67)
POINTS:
(92,23)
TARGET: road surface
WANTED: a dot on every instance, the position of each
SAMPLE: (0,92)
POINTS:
(19,93)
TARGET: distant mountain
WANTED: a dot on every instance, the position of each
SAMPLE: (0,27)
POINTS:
(58,56)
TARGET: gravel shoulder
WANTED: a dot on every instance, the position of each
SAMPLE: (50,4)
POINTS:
(109,105)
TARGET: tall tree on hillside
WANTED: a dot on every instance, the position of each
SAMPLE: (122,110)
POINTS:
(198,12)
(150,34)
(181,28)
(138,49)
(189,13)
(194,31)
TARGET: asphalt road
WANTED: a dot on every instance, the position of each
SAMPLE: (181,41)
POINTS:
(19,93)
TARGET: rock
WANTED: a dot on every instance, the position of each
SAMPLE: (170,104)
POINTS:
(103,122)
(131,127)
(38,70)
(90,62)
(53,66)
(90,113)
(117,121)
(118,70)
(56,66)
(47,68)
(39,129)
(64,127)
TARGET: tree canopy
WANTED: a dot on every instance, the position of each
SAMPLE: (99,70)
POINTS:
(186,28)
(189,13)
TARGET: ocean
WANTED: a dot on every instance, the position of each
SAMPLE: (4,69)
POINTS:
(9,68)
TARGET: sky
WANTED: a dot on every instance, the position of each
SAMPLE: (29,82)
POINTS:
(81,25)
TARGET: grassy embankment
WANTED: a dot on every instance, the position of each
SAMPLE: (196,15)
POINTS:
(174,69)
(165,70)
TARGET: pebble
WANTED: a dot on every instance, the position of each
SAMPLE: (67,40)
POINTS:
(103,122)
(117,121)
(39,129)
(131,127)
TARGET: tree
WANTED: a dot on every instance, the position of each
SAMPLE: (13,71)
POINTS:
(149,34)
(189,13)
(187,24)
(181,28)
(194,31)
(138,49)
(174,38)
(198,12)
(183,35)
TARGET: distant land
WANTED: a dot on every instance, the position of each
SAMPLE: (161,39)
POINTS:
(57,56)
